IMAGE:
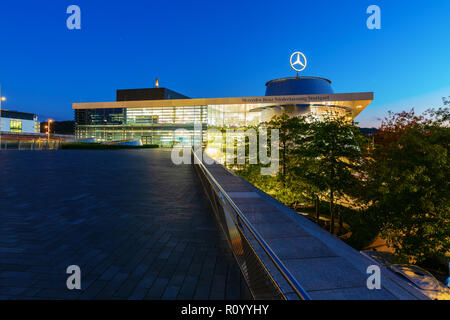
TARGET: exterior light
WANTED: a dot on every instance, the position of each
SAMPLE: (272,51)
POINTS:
(49,121)
(3,98)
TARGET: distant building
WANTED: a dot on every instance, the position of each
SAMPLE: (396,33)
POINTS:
(153,115)
(18,122)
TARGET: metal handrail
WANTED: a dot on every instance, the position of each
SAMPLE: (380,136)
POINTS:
(301,293)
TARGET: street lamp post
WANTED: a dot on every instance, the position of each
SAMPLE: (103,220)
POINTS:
(1,99)
(48,130)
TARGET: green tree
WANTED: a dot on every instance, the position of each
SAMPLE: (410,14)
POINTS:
(329,153)
(408,183)
(288,127)
(282,186)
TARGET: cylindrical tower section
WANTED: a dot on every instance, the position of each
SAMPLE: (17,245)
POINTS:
(294,86)
(298,86)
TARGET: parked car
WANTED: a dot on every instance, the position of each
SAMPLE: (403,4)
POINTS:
(413,275)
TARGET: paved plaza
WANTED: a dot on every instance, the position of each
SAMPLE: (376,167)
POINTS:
(138,226)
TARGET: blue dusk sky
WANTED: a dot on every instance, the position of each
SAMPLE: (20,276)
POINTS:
(221,49)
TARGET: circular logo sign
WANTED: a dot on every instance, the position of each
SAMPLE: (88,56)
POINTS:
(298,61)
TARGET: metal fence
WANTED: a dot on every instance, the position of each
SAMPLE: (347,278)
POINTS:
(30,144)
(265,274)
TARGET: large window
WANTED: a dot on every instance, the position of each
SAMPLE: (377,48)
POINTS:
(15,126)
(166,115)
(112,116)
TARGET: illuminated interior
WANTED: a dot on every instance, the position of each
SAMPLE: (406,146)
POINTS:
(15,125)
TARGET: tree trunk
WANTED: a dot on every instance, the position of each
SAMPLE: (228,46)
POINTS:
(331,211)
(341,222)
(284,165)
(317,209)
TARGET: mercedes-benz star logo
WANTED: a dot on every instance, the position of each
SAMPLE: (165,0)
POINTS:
(301,61)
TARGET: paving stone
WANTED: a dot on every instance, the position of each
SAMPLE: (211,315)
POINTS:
(110,273)
(113,285)
(280,230)
(147,281)
(298,248)
(171,292)
(335,273)
(188,287)
(138,294)
(94,289)
(361,293)
(202,292)
(158,288)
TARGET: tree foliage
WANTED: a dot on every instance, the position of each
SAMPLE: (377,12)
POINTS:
(399,181)
(408,184)
(329,155)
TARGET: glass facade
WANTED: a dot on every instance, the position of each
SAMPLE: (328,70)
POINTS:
(153,125)
(157,125)
(100,116)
